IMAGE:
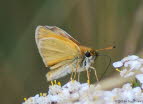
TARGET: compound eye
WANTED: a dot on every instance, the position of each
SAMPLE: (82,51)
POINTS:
(87,54)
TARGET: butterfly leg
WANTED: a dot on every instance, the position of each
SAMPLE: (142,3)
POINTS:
(77,66)
(78,76)
(88,76)
(71,77)
(75,75)
(95,73)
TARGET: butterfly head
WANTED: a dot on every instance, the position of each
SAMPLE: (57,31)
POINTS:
(89,55)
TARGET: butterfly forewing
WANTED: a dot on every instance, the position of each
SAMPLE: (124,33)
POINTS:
(61,32)
(54,48)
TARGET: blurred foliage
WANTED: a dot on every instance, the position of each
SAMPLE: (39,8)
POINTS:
(95,23)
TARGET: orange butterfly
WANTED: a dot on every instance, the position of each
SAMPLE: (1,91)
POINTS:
(62,53)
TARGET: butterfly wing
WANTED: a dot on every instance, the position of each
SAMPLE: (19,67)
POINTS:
(67,67)
(61,32)
(55,47)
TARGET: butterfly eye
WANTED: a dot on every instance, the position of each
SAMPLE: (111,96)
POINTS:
(87,54)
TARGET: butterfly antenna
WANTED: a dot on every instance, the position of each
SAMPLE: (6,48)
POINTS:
(107,65)
(108,48)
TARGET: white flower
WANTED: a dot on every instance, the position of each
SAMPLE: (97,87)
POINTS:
(129,74)
(72,86)
(127,86)
(123,72)
(141,69)
(140,78)
(135,65)
(117,64)
(54,90)
(129,65)
(54,98)
(140,60)
(130,57)
(127,95)
(84,87)
(137,91)
(75,96)
(108,96)
(142,86)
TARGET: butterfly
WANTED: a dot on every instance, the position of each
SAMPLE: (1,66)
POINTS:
(61,53)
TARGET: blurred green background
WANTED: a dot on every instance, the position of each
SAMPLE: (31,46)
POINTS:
(94,23)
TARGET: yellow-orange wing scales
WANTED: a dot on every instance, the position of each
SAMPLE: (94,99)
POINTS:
(56,49)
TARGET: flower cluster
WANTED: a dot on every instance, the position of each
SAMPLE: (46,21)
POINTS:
(129,65)
(75,92)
